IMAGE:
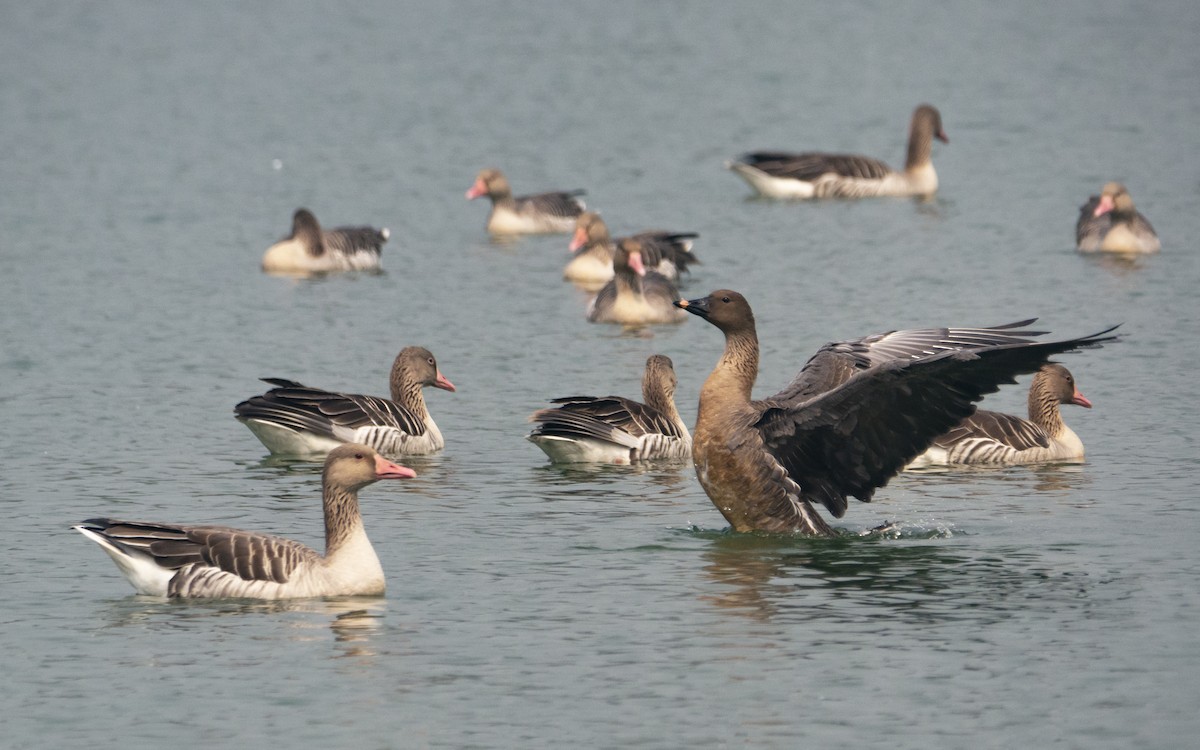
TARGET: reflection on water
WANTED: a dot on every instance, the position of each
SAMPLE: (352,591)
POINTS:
(1055,477)
(1118,264)
(353,621)
(878,583)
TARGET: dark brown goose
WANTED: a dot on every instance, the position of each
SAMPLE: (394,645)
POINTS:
(994,438)
(781,174)
(311,249)
(1109,222)
(544,213)
(616,430)
(295,420)
(852,418)
(668,253)
(635,296)
(179,560)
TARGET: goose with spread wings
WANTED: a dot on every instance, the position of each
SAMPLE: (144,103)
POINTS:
(853,417)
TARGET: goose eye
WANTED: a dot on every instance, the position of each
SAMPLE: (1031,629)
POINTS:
(724,299)
(358,455)
(430,360)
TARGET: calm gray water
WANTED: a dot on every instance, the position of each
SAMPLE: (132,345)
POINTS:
(151,152)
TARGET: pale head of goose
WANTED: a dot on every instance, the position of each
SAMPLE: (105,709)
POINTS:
(307,230)
(353,466)
(1057,382)
(417,365)
(492,183)
(590,229)
(629,256)
(1115,199)
(927,119)
(658,380)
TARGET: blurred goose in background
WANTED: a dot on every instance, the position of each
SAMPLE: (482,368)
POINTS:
(852,418)
(544,213)
(635,296)
(780,174)
(310,249)
(179,560)
(293,419)
(1109,222)
(668,253)
(988,437)
(616,430)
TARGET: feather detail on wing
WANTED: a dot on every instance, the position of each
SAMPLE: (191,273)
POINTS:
(852,439)
(1006,429)
(563,204)
(301,408)
(811,166)
(250,556)
(612,418)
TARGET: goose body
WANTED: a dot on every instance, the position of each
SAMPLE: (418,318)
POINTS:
(667,253)
(616,430)
(994,438)
(781,174)
(187,561)
(852,418)
(1109,222)
(635,296)
(544,213)
(311,249)
(296,420)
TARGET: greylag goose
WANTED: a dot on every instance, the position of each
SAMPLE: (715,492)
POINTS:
(988,437)
(544,213)
(179,560)
(293,419)
(616,430)
(668,253)
(852,418)
(310,249)
(635,296)
(779,174)
(1110,222)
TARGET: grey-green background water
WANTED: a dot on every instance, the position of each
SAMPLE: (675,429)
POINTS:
(150,153)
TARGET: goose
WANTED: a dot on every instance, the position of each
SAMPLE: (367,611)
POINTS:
(635,296)
(616,430)
(1109,222)
(668,253)
(185,561)
(310,249)
(988,437)
(544,213)
(852,418)
(780,174)
(293,419)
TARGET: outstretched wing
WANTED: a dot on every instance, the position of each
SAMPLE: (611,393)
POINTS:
(836,362)
(852,439)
